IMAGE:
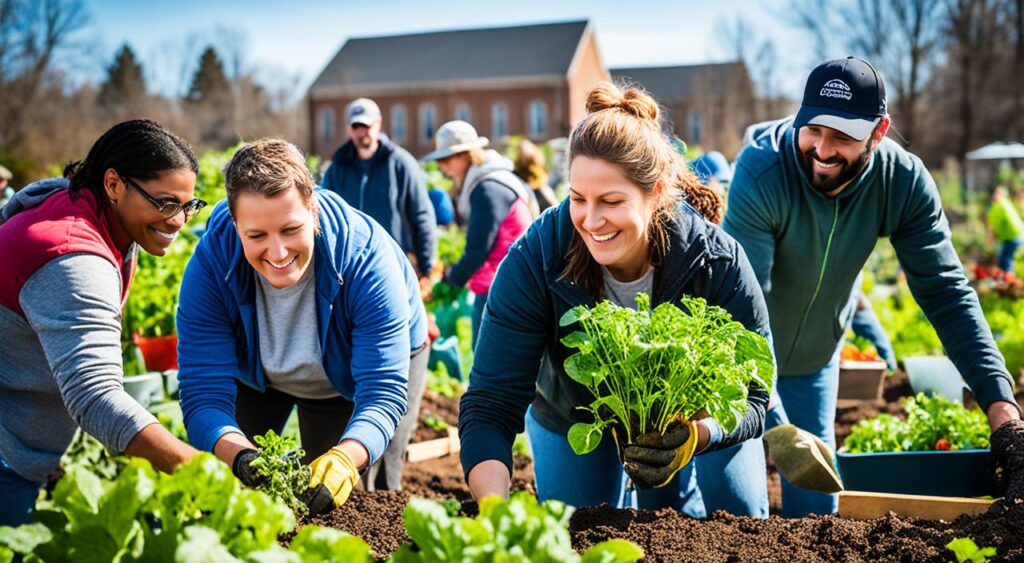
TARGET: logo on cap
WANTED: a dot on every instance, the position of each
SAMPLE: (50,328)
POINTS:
(836,88)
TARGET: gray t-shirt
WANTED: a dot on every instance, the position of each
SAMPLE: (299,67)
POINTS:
(289,340)
(624,294)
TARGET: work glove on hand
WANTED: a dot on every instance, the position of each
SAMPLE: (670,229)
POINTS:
(1008,449)
(655,458)
(242,468)
(334,475)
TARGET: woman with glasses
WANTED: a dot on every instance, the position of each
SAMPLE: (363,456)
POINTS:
(294,300)
(68,248)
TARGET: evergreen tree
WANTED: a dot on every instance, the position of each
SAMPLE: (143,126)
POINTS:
(209,81)
(125,83)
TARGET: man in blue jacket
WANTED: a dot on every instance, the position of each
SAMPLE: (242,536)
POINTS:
(383,180)
(809,198)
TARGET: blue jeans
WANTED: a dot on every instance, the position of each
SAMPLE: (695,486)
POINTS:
(18,496)
(807,402)
(1007,249)
(730,480)
(479,301)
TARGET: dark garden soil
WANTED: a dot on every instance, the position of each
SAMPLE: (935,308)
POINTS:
(666,535)
(440,407)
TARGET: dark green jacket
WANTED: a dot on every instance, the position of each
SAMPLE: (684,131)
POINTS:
(807,249)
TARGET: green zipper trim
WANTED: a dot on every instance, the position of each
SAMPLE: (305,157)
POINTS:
(817,288)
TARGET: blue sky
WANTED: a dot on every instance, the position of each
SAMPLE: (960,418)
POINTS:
(293,40)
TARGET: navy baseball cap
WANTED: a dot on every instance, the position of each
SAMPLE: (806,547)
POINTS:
(847,95)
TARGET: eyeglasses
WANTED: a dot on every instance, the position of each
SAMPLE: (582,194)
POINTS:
(168,208)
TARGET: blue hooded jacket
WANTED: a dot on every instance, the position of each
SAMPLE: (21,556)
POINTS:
(370,318)
(520,335)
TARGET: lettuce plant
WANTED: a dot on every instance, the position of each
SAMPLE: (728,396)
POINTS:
(933,423)
(647,368)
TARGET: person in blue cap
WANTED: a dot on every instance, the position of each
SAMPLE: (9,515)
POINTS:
(713,170)
(809,198)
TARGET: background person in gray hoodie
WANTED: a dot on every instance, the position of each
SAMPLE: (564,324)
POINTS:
(68,246)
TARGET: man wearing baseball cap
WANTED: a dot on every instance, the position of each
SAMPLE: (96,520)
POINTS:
(809,198)
(378,177)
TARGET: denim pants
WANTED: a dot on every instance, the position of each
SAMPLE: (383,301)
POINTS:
(17,497)
(730,479)
(1007,250)
(807,402)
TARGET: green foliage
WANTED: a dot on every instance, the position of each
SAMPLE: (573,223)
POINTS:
(464,332)
(88,453)
(451,244)
(1005,317)
(201,512)
(929,420)
(432,422)
(314,543)
(521,447)
(279,465)
(646,368)
(520,529)
(153,298)
(906,324)
(966,550)
(441,383)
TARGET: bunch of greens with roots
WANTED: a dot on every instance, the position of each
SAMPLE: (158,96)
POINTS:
(648,368)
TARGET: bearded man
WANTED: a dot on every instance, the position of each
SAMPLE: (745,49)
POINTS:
(809,199)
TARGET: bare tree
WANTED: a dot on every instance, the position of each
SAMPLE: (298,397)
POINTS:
(32,35)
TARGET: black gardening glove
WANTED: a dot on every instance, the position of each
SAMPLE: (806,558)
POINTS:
(243,469)
(655,458)
(1008,450)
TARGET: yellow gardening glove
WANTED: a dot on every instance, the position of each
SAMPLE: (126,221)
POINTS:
(334,475)
(655,458)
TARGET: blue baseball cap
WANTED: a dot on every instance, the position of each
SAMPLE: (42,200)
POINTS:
(847,95)
(712,165)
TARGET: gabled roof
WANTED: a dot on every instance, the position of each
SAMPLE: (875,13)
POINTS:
(542,51)
(669,83)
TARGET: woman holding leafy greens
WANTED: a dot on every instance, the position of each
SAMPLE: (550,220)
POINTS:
(69,248)
(293,299)
(636,221)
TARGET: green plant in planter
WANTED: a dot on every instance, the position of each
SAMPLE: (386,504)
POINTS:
(933,423)
(153,297)
(281,470)
(647,368)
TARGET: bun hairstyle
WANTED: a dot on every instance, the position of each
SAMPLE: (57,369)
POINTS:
(623,127)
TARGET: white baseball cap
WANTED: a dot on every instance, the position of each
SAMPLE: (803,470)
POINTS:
(455,137)
(363,111)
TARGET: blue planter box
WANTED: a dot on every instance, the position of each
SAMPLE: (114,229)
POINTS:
(960,473)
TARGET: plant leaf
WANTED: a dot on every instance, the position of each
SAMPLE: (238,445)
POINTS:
(584,438)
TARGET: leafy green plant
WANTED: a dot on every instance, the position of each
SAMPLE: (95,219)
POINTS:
(280,467)
(520,529)
(434,423)
(521,447)
(440,382)
(153,299)
(646,368)
(451,244)
(88,453)
(932,423)
(966,550)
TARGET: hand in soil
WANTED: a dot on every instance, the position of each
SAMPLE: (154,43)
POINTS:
(1008,449)
(655,458)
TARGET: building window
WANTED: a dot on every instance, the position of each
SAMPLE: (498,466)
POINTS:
(499,120)
(694,128)
(327,125)
(398,123)
(462,112)
(538,119)
(428,122)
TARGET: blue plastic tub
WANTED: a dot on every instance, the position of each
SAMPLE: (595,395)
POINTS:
(960,473)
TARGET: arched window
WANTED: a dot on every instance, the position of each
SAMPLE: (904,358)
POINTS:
(463,112)
(398,123)
(538,119)
(499,120)
(428,122)
(327,125)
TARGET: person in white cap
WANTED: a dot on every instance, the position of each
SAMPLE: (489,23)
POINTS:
(809,199)
(378,177)
(494,203)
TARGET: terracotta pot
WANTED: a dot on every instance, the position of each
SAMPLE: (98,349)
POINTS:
(159,352)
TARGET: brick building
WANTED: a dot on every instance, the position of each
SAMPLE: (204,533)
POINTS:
(707,104)
(526,80)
